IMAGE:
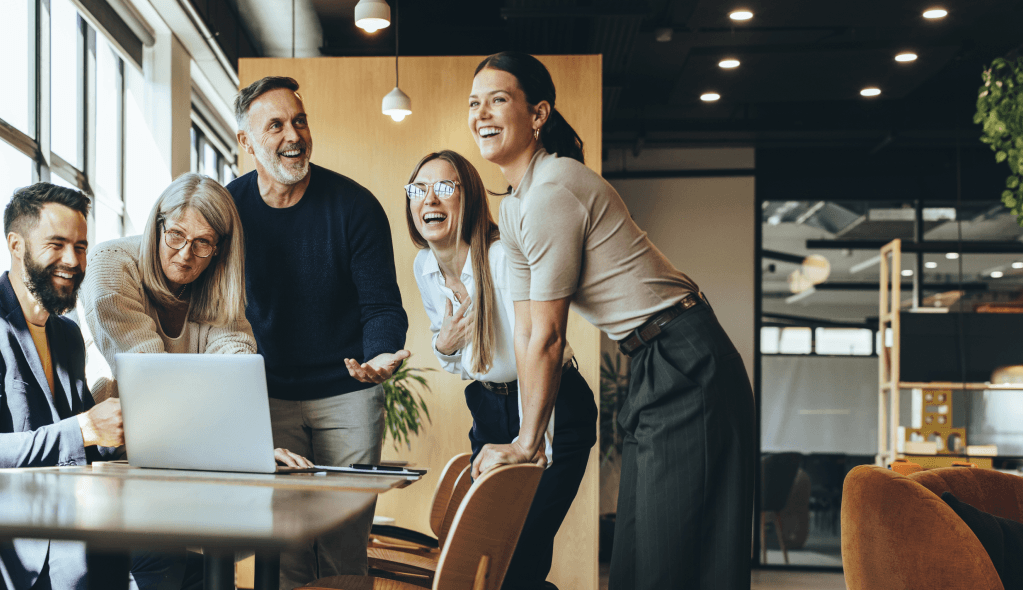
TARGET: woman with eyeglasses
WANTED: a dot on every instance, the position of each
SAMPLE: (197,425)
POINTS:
(686,497)
(177,288)
(465,284)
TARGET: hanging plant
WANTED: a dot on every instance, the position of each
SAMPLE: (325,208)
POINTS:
(404,405)
(1000,112)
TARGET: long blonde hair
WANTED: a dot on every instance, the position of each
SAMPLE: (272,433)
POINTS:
(218,295)
(477,228)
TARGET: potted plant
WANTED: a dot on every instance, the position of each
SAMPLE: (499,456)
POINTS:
(404,405)
(1000,112)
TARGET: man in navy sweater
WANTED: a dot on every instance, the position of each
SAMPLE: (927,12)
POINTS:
(323,302)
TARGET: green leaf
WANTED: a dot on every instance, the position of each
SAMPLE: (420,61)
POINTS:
(1000,157)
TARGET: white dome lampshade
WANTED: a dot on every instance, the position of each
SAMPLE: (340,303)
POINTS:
(372,15)
(397,104)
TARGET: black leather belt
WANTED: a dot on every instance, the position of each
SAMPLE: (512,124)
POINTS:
(649,331)
(513,386)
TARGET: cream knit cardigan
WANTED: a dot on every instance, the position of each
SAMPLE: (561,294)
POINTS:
(122,318)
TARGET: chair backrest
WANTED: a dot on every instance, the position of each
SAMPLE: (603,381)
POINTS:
(486,529)
(991,491)
(777,472)
(462,484)
(442,495)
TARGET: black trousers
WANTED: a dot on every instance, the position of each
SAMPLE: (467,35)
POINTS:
(496,420)
(685,505)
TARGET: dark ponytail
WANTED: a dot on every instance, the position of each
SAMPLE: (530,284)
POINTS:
(556,135)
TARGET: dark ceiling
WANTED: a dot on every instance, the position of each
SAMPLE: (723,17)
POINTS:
(803,62)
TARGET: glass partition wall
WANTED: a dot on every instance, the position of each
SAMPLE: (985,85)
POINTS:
(819,341)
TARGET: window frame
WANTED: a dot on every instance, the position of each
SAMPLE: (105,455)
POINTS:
(92,37)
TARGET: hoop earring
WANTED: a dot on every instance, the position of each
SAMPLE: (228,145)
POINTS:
(536,135)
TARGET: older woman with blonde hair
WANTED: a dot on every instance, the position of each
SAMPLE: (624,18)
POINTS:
(177,288)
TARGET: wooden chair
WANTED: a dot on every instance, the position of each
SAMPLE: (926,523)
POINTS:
(398,538)
(483,536)
(421,562)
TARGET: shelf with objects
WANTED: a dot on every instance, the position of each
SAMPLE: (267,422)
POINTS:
(933,347)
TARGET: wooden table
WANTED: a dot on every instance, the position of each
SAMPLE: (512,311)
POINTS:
(119,509)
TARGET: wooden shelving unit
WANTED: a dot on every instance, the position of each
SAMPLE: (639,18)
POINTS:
(889,383)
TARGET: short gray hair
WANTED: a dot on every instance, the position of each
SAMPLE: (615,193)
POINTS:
(218,295)
(250,93)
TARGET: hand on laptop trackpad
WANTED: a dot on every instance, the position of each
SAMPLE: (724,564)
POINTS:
(286,458)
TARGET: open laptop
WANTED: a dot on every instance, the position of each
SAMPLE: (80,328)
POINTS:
(207,412)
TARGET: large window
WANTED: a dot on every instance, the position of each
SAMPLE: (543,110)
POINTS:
(210,155)
(62,116)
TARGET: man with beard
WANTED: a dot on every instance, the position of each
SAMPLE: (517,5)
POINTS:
(324,305)
(47,414)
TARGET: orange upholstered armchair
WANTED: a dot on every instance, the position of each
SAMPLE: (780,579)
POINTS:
(898,533)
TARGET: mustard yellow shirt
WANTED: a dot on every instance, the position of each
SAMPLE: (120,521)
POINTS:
(43,348)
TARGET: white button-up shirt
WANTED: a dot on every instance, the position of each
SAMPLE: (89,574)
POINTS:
(434,293)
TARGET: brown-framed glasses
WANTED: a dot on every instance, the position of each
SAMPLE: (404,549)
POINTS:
(177,240)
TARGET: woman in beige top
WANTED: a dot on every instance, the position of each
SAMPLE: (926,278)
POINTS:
(177,288)
(686,495)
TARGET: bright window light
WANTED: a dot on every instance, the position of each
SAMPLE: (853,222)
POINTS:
(870,91)
(710,96)
(936,13)
(908,56)
(1017,265)
(952,256)
(930,265)
(996,274)
(907,273)
(743,15)
(729,63)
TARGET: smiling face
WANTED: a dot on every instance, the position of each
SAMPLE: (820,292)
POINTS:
(278,137)
(501,119)
(437,219)
(54,254)
(182,267)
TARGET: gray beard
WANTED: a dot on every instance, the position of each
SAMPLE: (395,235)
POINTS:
(281,172)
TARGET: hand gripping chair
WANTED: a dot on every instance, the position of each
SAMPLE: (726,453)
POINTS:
(482,539)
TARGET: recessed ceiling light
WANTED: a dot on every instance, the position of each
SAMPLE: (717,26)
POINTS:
(996,274)
(870,91)
(743,15)
(931,265)
(907,56)
(1017,265)
(952,255)
(729,63)
(907,273)
(710,96)
(936,13)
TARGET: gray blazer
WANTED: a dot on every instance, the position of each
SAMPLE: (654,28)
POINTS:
(32,430)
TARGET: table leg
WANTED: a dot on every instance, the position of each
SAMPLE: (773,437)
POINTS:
(268,570)
(107,571)
(218,570)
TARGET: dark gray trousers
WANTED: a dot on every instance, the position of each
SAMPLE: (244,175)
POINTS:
(685,505)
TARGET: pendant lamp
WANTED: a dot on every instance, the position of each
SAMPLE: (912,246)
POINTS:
(397,104)
(372,15)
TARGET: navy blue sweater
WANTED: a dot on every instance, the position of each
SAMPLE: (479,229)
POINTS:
(321,285)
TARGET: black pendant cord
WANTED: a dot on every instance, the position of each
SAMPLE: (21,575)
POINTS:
(396,84)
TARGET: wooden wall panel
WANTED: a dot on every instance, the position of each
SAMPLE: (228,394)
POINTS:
(351,136)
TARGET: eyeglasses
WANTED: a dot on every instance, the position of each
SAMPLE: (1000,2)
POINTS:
(176,240)
(442,188)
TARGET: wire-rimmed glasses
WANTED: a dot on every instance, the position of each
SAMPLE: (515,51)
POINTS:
(442,188)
